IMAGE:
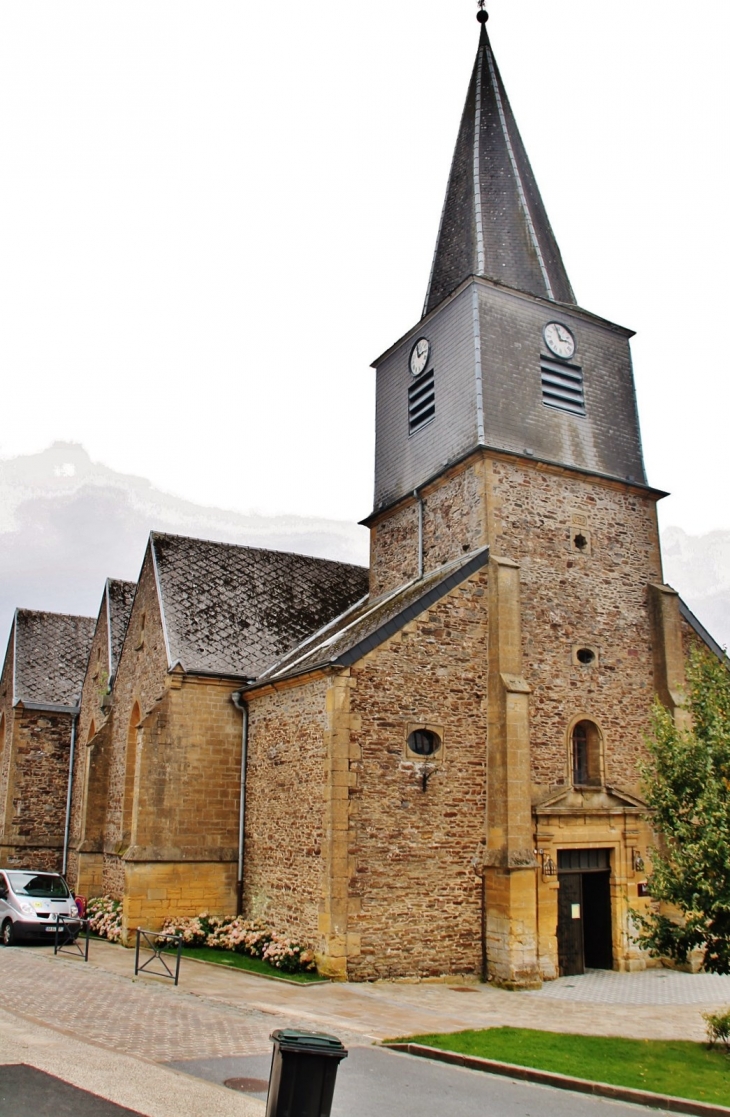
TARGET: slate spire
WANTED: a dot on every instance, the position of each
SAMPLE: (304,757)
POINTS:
(494,222)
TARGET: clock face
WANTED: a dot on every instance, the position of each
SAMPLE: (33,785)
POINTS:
(559,340)
(419,356)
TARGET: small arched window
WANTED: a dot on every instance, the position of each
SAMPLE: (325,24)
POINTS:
(586,750)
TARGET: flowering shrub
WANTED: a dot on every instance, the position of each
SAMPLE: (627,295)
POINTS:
(194,932)
(289,956)
(105,917)
(244,936)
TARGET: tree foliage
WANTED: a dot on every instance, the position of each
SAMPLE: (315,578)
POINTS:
(687,784)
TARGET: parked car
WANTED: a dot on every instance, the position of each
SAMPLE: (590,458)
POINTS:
(30,904)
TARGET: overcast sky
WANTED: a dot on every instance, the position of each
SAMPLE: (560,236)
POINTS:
(214,215)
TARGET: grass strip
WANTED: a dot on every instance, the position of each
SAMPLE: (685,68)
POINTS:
(677,1067)
(243,962)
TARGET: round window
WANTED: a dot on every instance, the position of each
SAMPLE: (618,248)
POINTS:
(424,742)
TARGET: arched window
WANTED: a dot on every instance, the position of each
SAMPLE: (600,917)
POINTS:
(586,754)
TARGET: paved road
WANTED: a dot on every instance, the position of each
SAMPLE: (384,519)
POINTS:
(25,1090)
(373,1082)
(162,1051)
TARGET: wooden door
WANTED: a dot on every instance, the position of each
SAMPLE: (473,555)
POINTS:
(570,924)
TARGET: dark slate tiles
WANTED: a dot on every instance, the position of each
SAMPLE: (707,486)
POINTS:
(121,598)
(233,610)
(51,651)
(494,222)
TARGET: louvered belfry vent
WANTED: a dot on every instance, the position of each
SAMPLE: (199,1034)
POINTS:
(562,386)
(421,402)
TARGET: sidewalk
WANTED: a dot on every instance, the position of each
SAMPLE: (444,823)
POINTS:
(654,1004)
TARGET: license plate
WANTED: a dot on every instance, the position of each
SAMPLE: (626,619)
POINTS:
(50,929)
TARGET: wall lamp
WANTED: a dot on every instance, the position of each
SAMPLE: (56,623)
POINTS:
(548,866)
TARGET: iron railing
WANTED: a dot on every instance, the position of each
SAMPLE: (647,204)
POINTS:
(159,943)
(69,929)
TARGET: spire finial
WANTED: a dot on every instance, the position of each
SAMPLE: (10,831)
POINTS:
(482,16)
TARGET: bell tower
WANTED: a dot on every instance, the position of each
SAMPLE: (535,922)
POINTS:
(503,359)
(506,417)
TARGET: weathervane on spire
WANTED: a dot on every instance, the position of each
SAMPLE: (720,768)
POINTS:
(482,16)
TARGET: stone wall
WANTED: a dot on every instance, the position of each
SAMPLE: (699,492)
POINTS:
(141,682)
(285,808)
(7,720)
(36,790)
(414,897)
(156,891)
(187,793)
(454,522)
(394,549)
(596,596)
(85,858)
(93,720)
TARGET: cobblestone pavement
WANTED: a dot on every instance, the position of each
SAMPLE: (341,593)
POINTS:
(217,1012)
(650,987)
(142,1018)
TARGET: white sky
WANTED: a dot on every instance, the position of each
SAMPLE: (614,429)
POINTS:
(215,214)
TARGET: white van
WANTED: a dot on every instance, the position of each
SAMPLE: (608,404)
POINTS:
(30,904)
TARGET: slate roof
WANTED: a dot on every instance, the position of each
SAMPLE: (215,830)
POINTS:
(51,651)
(370,623)
(494,223)
(232,610)
(119,599)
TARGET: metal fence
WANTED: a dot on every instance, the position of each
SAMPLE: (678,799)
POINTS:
(68,932)
(160,944)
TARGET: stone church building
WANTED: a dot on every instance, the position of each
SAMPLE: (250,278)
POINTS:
(431,767)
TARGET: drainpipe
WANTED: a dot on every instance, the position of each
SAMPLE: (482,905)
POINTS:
(419,498)
(67,826)
(240,704)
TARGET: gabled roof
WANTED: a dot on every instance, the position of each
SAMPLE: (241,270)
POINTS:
(51,651)
(494,223)
(370,623)
(118,598)
(232,610)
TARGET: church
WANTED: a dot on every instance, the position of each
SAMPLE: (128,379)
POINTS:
(433,767)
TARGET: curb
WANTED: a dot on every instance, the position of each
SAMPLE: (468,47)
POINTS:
(564,1082)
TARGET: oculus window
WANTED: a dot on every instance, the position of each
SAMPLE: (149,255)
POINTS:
(423,743)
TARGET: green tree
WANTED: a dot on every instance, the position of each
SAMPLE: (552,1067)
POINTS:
(687,784)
